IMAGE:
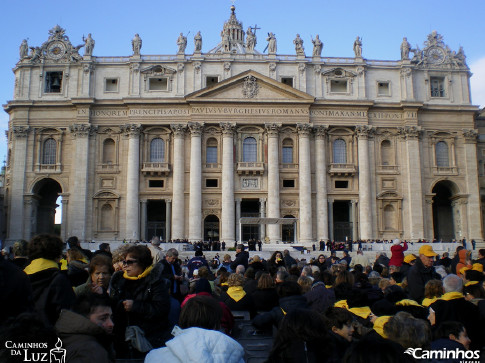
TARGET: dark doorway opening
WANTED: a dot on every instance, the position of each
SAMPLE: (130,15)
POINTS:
(443,225)
(250,208)
(156,219)
(211,228)
(288,231)
(342,225)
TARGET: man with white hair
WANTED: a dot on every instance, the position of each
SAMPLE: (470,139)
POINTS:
(155,249)
(421,272)
(453,306)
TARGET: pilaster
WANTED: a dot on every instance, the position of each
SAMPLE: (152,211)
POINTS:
(178,205)
(273,207)
(228,209)
(321,182)
(305,182)
(195,203)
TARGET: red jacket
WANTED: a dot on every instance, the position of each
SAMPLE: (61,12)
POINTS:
(397,251)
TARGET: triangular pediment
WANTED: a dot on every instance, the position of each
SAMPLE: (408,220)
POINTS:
(250,86)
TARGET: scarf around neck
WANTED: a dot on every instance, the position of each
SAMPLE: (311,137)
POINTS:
(236,293)
(40,264)
(140,276)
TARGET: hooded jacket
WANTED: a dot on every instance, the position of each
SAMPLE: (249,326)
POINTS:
(196,345)
(242,258)
(462,262)
(397,257)
(51,289)
(83,340)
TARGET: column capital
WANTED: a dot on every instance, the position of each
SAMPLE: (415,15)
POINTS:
(272,129)
(304,129)
(321,131)
(410,132)
(470,136)
(353,202)
(83,130)
(178,129)
(238,200)
(132,130)
(168,200)
(196,128)
(364,131)
(227,128)
(21,131)
(262,200)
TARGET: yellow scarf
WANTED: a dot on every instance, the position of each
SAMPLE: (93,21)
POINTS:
(363,311)
(379,325)
(341,304)
(427,301)
(63,264)
(329,286)
(451,296)
(470,283)
(236,293)
(407,302)
(40,264)
(224,284)
(142,275)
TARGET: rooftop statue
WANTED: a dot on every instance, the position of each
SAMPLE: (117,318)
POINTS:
(198,42)
(250,39)
(24,49)
(358,47)
(88,45)
(405,49)
(136,44)
(182,43)
(317,46)
(299,45)
(271,43)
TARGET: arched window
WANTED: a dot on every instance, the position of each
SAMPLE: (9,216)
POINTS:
(157,150)
(386,152)
(108,151)
(50,148)
(442,154)
(211,151)
(287,152)
(389,218)
(339,152)
(250,150)
(107,218)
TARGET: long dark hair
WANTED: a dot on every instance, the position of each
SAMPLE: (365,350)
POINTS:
(301,338)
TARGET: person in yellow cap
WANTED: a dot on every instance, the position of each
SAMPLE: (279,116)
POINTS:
(409,261)
(421,273)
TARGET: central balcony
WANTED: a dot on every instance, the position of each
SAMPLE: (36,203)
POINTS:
(155,169)
(342,169)
(250,168)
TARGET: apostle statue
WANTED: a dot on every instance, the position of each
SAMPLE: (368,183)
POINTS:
(299,45)
(358,47)
(24,49)
(136,44)
(250,40)
(198,42)
(88,45)
(271,43)
(405,49)
(182,43)
(317,46)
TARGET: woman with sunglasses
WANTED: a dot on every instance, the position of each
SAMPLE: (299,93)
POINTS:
(141,299)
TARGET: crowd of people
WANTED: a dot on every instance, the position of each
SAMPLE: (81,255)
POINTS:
(140,302)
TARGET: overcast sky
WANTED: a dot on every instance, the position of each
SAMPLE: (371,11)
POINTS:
(381,24)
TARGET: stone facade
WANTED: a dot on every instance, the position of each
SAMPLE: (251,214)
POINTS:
(182,146)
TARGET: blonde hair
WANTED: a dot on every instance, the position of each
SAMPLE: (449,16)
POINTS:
(305,282)
(235,280)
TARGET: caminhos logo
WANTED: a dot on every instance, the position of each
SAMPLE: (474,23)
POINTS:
(468,356)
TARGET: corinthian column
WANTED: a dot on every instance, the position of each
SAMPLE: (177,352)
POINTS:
(78,213)
(18,168)
(365,203)
(321,183)
(415,225)
(132,226)
(472,185)
(273,206)
(228,210)
(305,181)
(195,203)
(178,200)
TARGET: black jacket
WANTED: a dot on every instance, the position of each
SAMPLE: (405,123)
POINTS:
(276,314)
(52,292)
(418,276)
(150,307)
(319,298)
(242,258)
(265,299)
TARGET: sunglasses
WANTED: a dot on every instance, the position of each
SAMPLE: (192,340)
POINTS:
(129,262)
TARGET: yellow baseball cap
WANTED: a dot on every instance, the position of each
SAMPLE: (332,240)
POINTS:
(409,258)
(427,250)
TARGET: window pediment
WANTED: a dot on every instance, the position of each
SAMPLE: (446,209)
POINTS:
(158,70)
(106,195)
(339,73)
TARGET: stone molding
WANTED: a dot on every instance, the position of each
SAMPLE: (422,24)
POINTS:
(21,131)
(83,130)
(470,135)
(131,130)
(410,132)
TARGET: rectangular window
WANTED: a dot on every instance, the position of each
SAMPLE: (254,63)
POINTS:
(211,155)
(111,85)
(383,89)
(288,183)
(287,155)
(437,86)
(338,86)
(155,183)
(341,184)
(53,82)
(211,80)
(211,183)
(158,84)
(287,80)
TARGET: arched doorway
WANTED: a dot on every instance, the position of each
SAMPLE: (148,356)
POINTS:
(443,221)
(211,228)
(288,231)
(46,193)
